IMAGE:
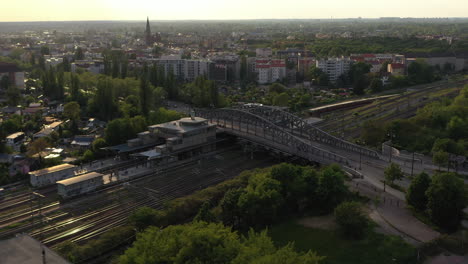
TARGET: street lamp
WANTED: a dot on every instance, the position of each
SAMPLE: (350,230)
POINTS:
(391,135)
(360,155)
(360,158)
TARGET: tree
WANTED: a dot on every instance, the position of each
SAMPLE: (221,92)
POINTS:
(71,110)
(14,96)
(393,172)
(75,87)
(88,156)
(121,129)
(98,144)
(281,99)
(457,128)
(230,212)
(358,76)
(351,219)
(162,115)
(416,194)
(298,185)
(79,55)
(277,88)
(209,243)
(37,146)
(33,59)
(373,133)
(42,63)
(446,200)
(145,95)
(376,85)
(104,105)
(261,202)
(204,214)
(331,188)
(12,125)
(66,66)
(195,243)
(45,50)
(440,158)
(420,72)
(143,217)
(320,77)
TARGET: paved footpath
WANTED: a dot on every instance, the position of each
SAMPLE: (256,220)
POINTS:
(393,210)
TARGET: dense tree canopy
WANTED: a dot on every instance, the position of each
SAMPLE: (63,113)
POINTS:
(416,195)
(351,218)
(439,128)
(200,242)
(286,189)
(446,200)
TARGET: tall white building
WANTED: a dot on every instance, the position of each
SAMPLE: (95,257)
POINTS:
(334,67)
(195,68)
(270,70)
(183,69)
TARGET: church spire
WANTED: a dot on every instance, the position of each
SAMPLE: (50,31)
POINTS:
(148,33)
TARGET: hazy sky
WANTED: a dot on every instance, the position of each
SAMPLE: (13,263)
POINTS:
(46,10)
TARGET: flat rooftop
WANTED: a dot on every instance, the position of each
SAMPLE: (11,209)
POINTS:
(26,250)
(184,125)
(15,135)
(60,167)
(80,178)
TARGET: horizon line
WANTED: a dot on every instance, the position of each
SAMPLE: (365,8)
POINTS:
(233,19)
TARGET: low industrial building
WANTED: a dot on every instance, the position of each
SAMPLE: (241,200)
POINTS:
(80,184)
(47,130)
(51,175)
(15,140)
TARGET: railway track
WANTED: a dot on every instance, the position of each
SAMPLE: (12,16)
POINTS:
(170,183)
(23,198)
(179,186)
(405,104)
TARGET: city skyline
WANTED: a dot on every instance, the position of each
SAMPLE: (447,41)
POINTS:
(55,10)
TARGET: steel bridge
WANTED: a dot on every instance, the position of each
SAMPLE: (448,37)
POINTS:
(281,130)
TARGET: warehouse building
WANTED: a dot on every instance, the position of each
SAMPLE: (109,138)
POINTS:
(80,184)
(51,175)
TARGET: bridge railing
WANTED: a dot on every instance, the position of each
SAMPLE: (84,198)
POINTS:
(264,132)
(301,128)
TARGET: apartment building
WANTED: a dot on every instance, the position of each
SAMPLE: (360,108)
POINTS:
(334,67)
(270,70)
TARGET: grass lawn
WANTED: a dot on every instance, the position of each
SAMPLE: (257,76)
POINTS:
(374,248)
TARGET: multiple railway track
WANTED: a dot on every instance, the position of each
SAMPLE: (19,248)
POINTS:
(348,123)
(75,221)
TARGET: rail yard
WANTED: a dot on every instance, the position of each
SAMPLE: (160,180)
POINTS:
(347,123)
(53,221)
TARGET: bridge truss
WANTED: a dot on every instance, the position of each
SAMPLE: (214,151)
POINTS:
(299,127)
(261,130)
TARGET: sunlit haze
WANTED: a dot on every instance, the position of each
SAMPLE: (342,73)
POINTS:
(59,10)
